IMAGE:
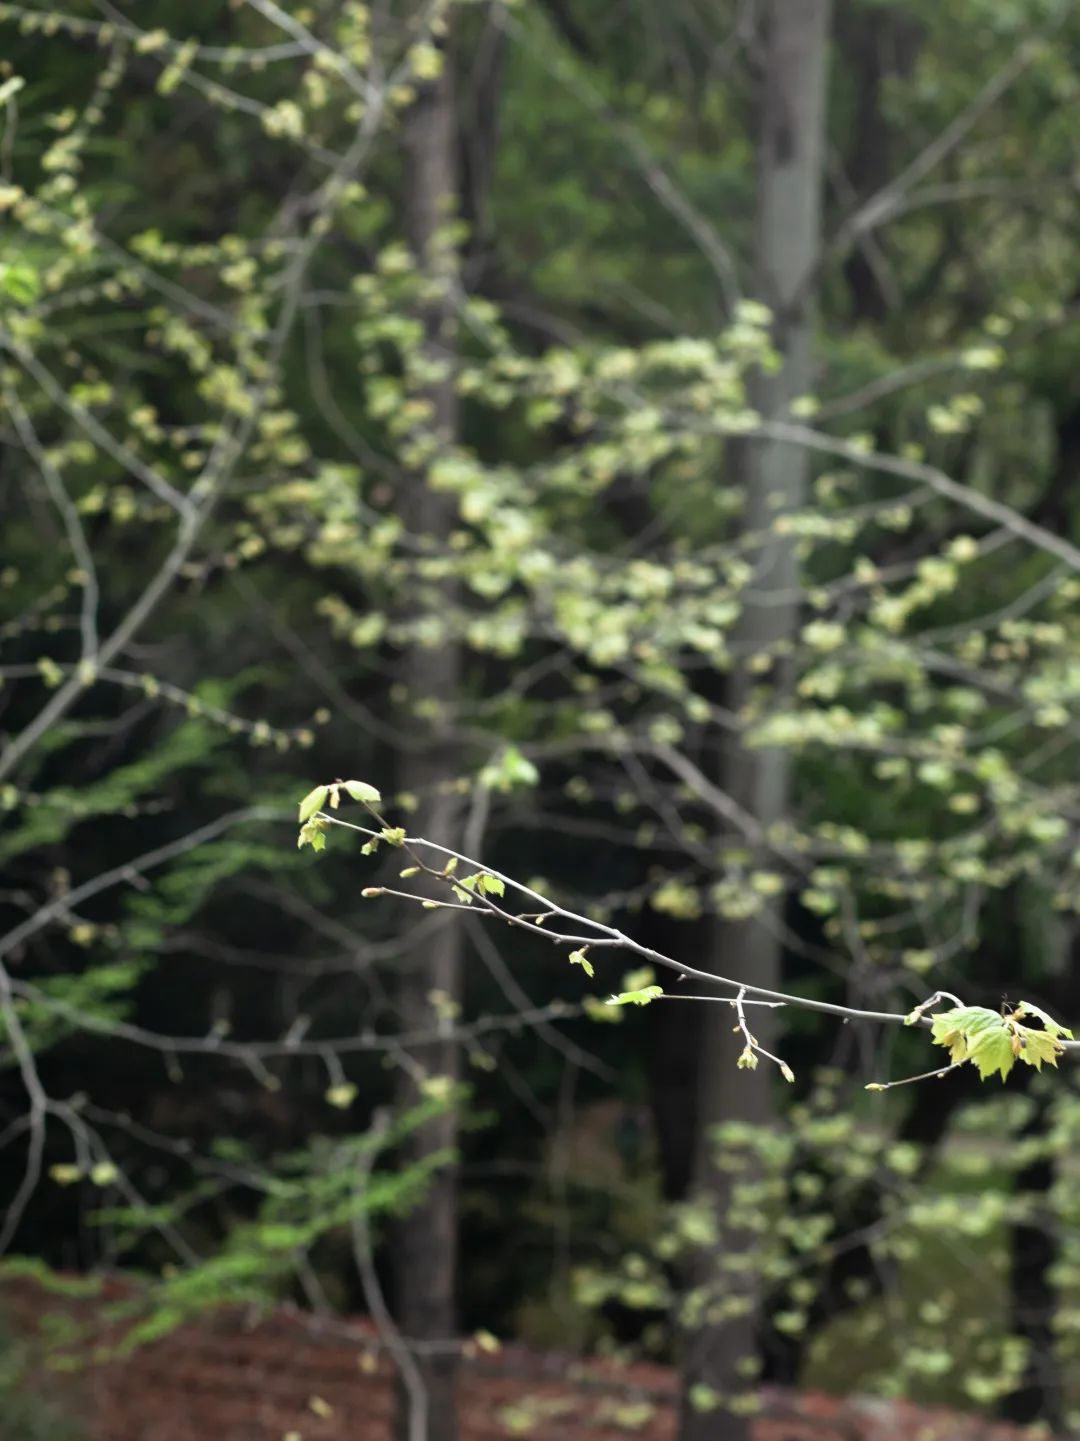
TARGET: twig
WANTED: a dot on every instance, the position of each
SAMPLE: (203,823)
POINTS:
(602,935)
(964,495)
(753,1048)
(391,1337)
(909,1080)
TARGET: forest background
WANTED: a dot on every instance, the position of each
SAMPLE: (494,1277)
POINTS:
(638,447)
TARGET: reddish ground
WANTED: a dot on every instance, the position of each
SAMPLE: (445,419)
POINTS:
(289,1378)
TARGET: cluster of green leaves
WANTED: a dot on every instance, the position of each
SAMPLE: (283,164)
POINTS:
(993,1041)
(942,1331)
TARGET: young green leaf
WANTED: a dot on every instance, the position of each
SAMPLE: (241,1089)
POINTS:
(598,1010)
(312,833)
(362,792)
(1054,1028)
(636,998)
(1037,1047)
(579,958)
(341,1096)
(20,282)
(312,802)
(509,769)
(993,1043)
(992,1051)
(957,1029)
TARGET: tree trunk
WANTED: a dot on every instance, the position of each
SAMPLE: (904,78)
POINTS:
(876,47)
(721,1351)
(425,1244)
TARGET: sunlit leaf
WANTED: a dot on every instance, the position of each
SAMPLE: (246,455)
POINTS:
(361,791)
(636,998)
(313,801)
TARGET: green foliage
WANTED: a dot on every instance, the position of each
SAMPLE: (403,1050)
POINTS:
(994,1041)
(313,802)
(42,820)
(26,1412)
(361,791)
(509,769)
(19,283)
(579,958)
(640,997)
(64,1005)
(217,396)
(941,1332)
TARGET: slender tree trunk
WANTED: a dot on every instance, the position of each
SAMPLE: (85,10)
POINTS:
(721,1351)
(425,1245)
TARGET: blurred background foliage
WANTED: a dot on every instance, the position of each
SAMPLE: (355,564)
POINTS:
(224,356)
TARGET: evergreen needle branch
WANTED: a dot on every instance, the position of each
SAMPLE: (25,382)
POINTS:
(127,872)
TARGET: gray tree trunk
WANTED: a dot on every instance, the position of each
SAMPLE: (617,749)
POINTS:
(425,1243)
(721,1346)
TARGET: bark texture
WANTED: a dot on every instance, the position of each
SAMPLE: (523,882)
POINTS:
(426,1243)
(721,1347)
